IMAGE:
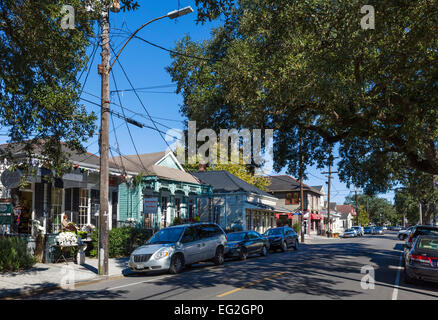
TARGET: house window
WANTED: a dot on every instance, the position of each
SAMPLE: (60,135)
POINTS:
(292,198)
(56,208)
(164,209)
(178,207)
(83,207)
(191,209)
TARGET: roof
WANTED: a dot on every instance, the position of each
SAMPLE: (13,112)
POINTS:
(146,163)
(223,182)
(85,159)
(332,205)
(345,208)
(287,183)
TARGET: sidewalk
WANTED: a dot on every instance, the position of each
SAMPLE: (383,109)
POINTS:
(45,277)
(316,238)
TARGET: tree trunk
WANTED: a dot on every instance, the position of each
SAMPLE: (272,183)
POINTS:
(39,247)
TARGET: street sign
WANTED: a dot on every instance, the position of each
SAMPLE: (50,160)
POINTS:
(11,179)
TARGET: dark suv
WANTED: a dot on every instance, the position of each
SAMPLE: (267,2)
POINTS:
(282,238)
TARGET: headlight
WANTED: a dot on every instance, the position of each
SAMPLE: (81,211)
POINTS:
(162,253)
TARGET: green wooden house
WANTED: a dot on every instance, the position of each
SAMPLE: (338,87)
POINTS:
(158,190)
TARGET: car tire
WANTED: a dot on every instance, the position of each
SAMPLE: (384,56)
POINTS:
(264,252)
(176,264)
(243,254)
(219,256)
(283,246)
(296,245)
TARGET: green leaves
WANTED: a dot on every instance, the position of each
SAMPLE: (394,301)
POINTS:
(307,68)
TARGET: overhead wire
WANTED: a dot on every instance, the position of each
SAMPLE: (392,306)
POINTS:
(127,125)
(139,99)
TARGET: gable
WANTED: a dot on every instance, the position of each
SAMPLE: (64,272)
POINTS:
(169,161)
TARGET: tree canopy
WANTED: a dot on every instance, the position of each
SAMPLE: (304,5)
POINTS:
(307,69)
(39,85)
(377,210)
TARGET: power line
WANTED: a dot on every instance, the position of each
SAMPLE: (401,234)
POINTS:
(138,97)
(131,120)
(127,126)
(168,50)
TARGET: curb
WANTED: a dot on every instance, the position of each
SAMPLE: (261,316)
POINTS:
(49,288)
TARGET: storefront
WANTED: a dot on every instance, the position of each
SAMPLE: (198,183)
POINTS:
(46,200)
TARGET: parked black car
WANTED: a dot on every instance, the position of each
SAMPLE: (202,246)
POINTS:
(282,238)
(418,230)
(243,243)
(421,262)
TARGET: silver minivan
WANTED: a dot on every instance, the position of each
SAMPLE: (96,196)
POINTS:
(173,248)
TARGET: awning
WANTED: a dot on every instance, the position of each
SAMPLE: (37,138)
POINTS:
(288,215)
(316,216)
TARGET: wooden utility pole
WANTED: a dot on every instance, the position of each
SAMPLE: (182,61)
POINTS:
(104,146)
(330,172)
(357,206)
(301,189)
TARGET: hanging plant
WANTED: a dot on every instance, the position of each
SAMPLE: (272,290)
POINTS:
(138,179)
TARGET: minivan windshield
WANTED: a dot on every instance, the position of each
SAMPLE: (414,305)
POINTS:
(236,236)
(169,235)
(272,232)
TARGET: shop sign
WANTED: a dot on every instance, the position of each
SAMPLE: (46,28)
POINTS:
(150,205)
(11,179)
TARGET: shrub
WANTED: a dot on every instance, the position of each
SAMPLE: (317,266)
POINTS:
(122,241)
(297,227)
(82,234)
(177,220)
(14,255)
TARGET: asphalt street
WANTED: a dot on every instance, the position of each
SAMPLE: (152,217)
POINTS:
(324,269)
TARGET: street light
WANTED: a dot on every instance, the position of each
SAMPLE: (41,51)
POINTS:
(171,15)
(104,69)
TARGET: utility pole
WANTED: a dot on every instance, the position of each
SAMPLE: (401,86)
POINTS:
(301,189)
(357,207)
(104,146)
(104,71)
(331,158)
(420,212)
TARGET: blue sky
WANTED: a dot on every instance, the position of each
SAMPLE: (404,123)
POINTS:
(145,66)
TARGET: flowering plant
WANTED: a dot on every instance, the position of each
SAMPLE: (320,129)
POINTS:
(67,239)
(88,228)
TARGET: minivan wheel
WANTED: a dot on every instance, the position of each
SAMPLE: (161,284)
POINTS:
(243,254)
(176,264)
(219,257)
(264,252)
(284,246)
(296,245)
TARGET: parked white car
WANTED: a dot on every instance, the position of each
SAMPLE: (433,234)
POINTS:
(349,233)
(404,234)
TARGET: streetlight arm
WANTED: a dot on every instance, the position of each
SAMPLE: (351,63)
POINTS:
(132,36)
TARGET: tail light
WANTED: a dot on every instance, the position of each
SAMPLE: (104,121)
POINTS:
(422,259)
(411,237)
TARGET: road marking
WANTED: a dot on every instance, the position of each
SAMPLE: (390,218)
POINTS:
(248,285)
(397,279)
(140,282)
